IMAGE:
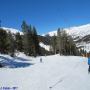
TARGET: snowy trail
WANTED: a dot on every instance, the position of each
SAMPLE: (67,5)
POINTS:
(55,73)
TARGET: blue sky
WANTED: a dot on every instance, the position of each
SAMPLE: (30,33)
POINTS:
(45,15)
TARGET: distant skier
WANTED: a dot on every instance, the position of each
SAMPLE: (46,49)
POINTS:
(41,60)
(89,62)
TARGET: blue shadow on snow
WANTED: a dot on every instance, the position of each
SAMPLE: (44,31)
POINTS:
(12,63)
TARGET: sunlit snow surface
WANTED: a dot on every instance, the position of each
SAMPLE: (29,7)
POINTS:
(54,73)
(75,31)
(12,30)
(47,47)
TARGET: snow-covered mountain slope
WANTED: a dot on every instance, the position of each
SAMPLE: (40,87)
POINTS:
(12,30)
(80,34)
(85,46)
(52,33)
(47,47)
(54,73)
(80,31)
(76,31)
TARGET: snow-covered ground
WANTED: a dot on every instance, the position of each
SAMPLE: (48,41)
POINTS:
(54,73)
(47,47)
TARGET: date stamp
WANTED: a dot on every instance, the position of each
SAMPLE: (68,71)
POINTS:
(8,88)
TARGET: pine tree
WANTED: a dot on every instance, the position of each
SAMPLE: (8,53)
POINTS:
(11,44)
(54,44)
(36,48)
(3,41)
(30,41)
(18,42)
(65,43)
(25,37)
(59,41)
(24,27)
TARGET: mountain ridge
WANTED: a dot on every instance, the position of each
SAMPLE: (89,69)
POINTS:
(74,31)
(80,34)
(12,30)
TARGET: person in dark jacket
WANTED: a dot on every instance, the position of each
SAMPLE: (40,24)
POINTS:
(41,60)
(89,62)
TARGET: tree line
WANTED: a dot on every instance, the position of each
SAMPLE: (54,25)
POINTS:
(27,42)
(63,44)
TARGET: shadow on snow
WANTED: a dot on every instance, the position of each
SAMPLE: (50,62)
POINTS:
(22,59)
(13,62)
